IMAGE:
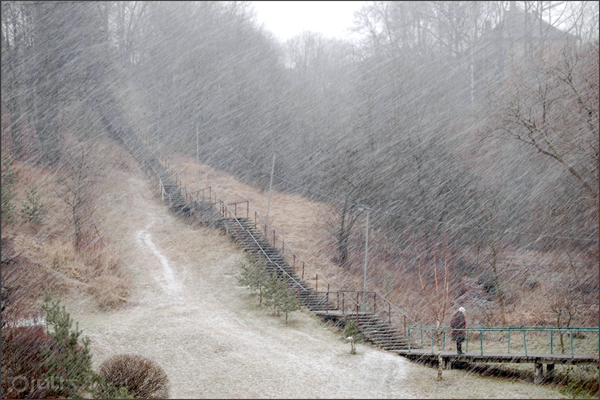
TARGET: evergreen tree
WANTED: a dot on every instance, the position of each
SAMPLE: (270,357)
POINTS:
(69,363)
(352,335)
(32,210)
(274,293)
(288,302)
(9,178)
(254,275)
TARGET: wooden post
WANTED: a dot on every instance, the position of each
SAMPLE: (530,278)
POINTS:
(549,371)
(447,363)
(374,303)
(538,374)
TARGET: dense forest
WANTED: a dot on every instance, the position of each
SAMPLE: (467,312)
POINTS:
(470,128)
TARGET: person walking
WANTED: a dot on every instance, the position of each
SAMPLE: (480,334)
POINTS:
(458,325)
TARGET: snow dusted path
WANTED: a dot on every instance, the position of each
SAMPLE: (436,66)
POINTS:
(187,313)
(171,287)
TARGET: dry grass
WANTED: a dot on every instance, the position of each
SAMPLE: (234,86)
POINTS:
(48,248)
(304,224)
(528,275)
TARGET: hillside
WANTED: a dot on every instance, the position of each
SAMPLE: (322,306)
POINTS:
(310,227)
(450,147)
(186,311)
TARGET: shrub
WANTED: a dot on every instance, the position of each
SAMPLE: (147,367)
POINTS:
(22,363)
(141,376)
(9,178)
(352,335)
(49,362)
(69,364)
(254,275)
(32,210)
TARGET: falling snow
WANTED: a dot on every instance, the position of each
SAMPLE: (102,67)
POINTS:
(468,129)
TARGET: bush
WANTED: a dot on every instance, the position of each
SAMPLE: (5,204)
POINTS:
(9,178)
(352,335)
(22,363)
(141,376)
(254,275)
(69,364)
(33,210)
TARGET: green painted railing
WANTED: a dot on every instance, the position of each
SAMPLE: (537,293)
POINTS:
(551,331)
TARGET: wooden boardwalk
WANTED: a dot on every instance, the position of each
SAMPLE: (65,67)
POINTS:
(450,357)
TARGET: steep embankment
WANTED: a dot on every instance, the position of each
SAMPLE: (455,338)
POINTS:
(186,312)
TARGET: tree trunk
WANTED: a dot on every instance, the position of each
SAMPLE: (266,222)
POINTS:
(439,346)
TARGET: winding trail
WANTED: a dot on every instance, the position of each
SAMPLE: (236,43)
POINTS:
(213,340)
(172,287)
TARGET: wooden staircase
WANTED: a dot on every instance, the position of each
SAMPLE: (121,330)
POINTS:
(382,334)
(254,242)
(373,328)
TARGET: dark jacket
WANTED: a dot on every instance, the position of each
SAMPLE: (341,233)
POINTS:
(458,322)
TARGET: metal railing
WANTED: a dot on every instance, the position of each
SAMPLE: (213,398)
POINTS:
(298,267)
(544,334)
(347,295)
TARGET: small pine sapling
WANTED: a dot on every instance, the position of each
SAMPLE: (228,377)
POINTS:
(32,210)
(69,364)
(352,335)
(9,178)
(289,302)
(254,275)
(274,293)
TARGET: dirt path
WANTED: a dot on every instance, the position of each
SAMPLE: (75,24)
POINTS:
(187,313)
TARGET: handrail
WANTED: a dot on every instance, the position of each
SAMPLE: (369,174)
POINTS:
(257,215)
(519,328)
(285,245)
(256,242)
(508,329)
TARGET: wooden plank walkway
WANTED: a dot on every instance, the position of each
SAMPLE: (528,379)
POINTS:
(450,357)
(476,356)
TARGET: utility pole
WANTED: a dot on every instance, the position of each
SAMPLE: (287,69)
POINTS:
(197,159)
(270,187)
(158,125)
(365,207)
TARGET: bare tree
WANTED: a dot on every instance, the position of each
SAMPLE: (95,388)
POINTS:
(79,176)
(557,94)
(435,286)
